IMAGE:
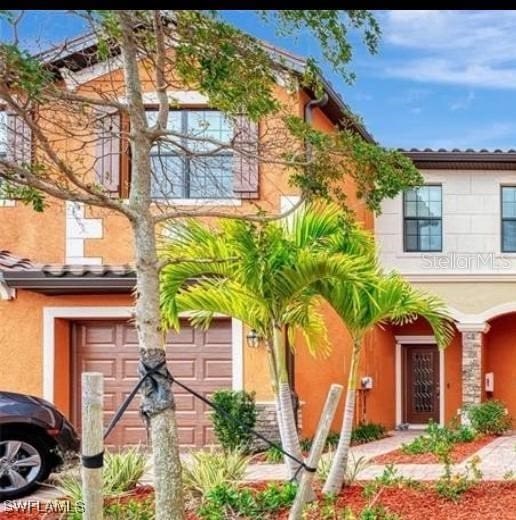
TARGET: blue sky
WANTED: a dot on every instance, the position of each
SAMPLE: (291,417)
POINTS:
(442,79)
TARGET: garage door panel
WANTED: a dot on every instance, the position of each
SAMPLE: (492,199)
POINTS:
(107,367)
(183,369)
(218,333)
(104,334)
(185,337)
(216,369)
(185,402)
(202,359)
(187,437)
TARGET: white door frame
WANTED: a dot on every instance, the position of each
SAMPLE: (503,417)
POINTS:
(417,340)
(50,314)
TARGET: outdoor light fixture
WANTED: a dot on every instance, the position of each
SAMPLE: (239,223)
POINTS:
(253,339)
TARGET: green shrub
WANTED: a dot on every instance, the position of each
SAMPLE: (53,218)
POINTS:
(331,442)
(437,439)
(273,455)
(370,513)
(122,472)
(233,431)
(131,510)
(489,417)
(452,486)
(227,501)
(210,469)
(367,432)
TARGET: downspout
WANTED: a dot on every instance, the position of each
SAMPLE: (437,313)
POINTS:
(309,110)
(308,118)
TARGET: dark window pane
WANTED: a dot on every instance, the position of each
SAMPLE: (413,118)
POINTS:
(509,193)
(509,235)
(411,209)
(411,243)
(423,214)
(435,243)
(411,227)
(211,177)
(410,195)
(168,177)
(509,209)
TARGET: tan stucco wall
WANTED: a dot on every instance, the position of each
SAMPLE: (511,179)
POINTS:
(472,297)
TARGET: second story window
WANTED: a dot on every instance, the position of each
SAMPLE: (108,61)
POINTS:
(422,219)
(509,219)
(192,165)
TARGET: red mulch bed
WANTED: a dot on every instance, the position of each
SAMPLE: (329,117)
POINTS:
(487,501)
(460,452)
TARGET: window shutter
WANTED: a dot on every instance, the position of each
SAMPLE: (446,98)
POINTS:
(245,161)
(19,139)
(108,151)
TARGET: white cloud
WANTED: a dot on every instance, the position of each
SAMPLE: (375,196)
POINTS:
(472,48)
(494,135)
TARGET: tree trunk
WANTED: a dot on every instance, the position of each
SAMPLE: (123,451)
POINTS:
(305,487)
(337,473)
(165,450)
(286,417)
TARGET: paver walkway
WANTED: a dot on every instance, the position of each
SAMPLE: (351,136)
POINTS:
(498,459)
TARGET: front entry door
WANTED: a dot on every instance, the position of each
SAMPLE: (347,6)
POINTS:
(421,383)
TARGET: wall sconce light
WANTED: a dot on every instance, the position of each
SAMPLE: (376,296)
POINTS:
(253,339)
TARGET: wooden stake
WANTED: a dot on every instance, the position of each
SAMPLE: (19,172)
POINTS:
(328,413)
(92,443)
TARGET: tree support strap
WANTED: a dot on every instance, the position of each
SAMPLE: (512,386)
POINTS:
(156,384)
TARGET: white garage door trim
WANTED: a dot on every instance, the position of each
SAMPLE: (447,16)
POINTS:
(50,314)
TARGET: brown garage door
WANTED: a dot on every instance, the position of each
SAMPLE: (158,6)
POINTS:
(202,359)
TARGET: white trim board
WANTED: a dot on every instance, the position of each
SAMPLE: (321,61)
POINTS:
(50,314)
(417,340)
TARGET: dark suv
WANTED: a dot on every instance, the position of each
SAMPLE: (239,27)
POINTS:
(35,438)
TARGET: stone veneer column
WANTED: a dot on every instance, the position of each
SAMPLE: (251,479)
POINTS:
(472,376)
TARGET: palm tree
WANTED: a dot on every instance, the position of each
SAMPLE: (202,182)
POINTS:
(265,276)
(389,299)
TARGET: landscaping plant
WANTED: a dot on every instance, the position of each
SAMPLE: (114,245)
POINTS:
(436,437)
(453,485)
(367,432)
(232,427)
(227,502)
(385,298)
(273,455)
(490,417)
(122,472)
(268,283)
(209,469)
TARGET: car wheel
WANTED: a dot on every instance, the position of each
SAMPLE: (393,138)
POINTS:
(25,462)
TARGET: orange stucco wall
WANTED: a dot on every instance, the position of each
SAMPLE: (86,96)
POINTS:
(500,356)
(21,340)
(313,376)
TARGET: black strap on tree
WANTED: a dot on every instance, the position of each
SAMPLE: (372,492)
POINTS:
(154,377)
